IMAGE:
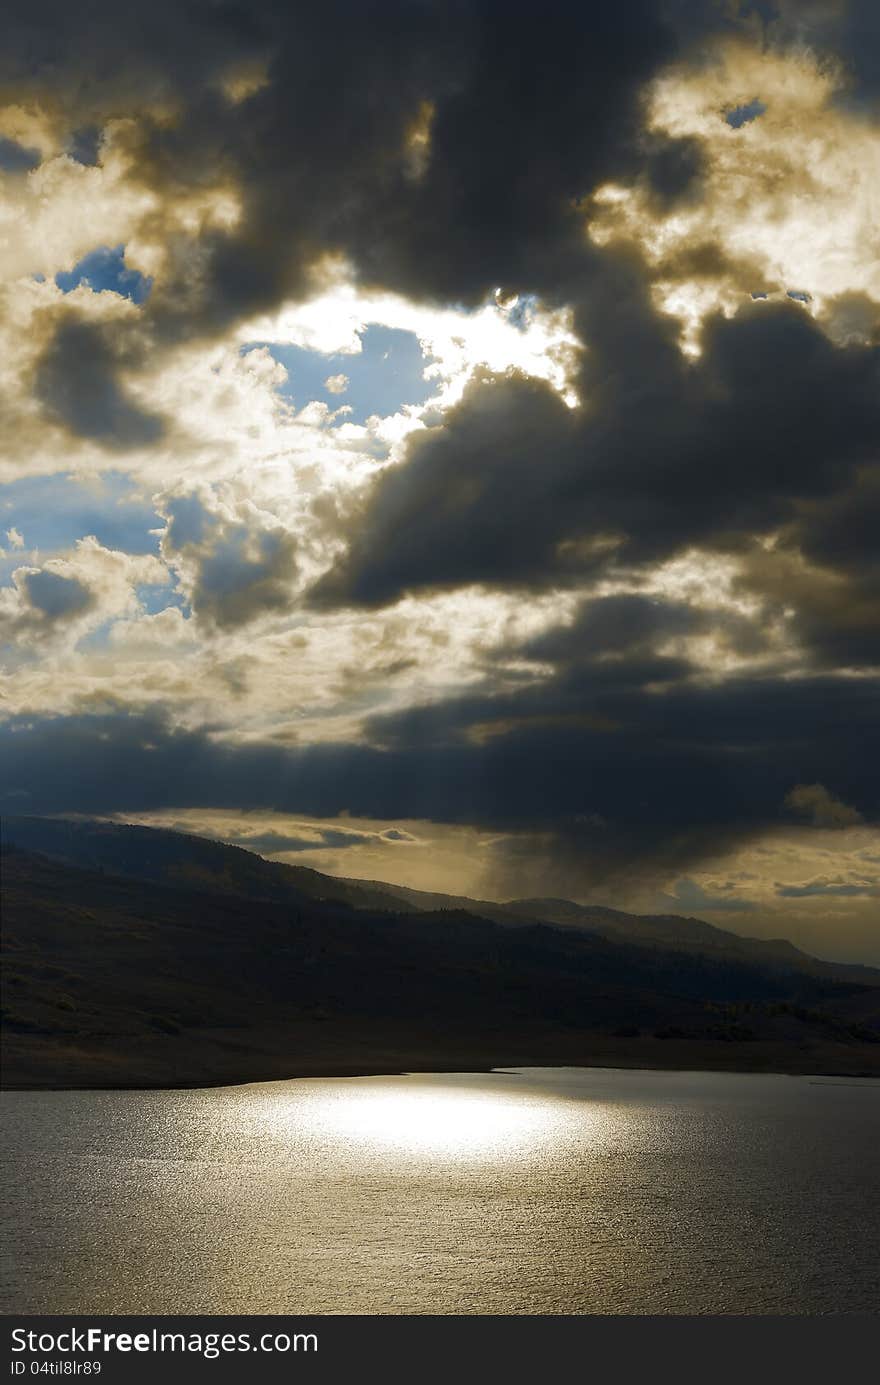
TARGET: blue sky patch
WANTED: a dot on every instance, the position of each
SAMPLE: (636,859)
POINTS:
(85,145)
(523,311)
(104,271)
(380,379)
(157,596)
(52,512)
(97,640)
(743,115)
(15,158)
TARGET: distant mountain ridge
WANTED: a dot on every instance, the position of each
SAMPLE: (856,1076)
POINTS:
(182,860)
(160,959)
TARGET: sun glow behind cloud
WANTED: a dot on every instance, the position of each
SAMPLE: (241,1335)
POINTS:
(503,334)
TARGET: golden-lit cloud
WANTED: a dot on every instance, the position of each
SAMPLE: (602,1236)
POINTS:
(785,201)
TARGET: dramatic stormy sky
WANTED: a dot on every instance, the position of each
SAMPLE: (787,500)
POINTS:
(440,441)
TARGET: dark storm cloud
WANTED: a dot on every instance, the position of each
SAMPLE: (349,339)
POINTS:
(95,61)
(825,572)
(630,623)
(672,169)
(666,454)
(76,382)
(633,777)
(473,501)
(836,598)
(842,532)
(526,111)
(543,105)
(606,740)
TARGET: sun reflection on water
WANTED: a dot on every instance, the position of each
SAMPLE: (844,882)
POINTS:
(435,1120)
(397,1116)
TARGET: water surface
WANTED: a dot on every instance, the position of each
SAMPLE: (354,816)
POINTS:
(534,1191)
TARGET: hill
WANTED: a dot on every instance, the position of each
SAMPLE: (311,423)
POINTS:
(191,862)
(219,970)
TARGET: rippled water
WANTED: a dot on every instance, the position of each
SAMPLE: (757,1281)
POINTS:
(536,1191)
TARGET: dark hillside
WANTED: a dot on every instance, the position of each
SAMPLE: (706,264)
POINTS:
(113,981)
(184,861)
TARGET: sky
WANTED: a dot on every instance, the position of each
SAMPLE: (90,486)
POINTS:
(440,442)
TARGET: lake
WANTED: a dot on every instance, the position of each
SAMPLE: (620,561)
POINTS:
(531,1191)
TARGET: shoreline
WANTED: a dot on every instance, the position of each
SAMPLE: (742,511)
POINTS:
(766,1064)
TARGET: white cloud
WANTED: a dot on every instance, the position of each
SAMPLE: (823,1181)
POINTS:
(65,597)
